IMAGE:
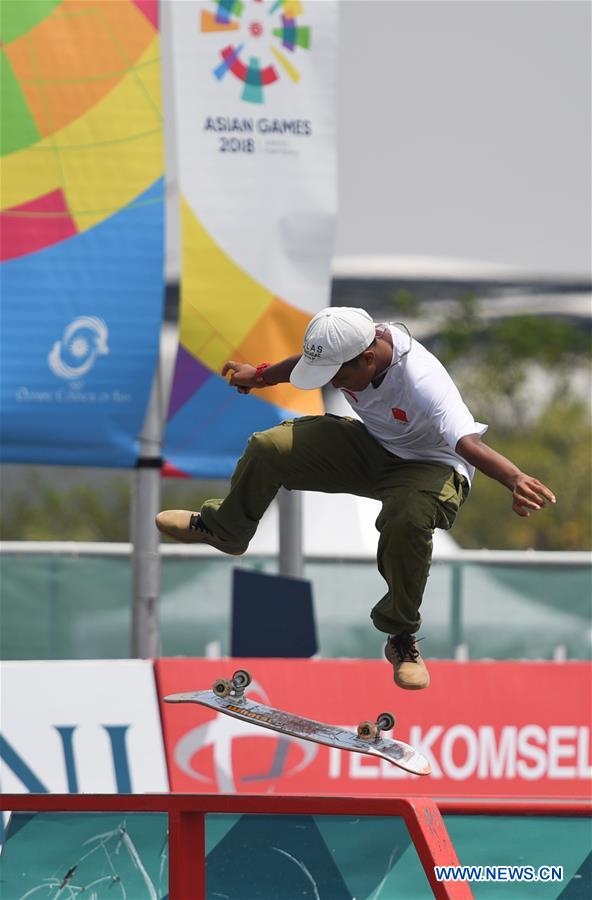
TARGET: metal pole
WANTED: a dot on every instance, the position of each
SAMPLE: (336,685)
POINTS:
(290,527)
(145,557)
(456,612)
(145,539)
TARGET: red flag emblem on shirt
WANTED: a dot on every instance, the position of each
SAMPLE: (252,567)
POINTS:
(399,414)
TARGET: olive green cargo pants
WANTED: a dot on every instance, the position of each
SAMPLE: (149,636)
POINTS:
(337,455)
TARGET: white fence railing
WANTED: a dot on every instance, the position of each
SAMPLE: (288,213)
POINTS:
(527,558)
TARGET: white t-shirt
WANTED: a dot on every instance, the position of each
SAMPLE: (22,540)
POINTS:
(417,411)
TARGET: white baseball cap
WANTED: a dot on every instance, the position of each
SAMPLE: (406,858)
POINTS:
(336,335)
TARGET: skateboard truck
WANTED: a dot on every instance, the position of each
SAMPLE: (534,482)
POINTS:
(370,731)
(234,687)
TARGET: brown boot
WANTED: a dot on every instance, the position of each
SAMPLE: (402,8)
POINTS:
(409,669)
(189,527)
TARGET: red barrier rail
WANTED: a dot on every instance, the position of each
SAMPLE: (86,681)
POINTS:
(186,819)
(480,807)
(186,815)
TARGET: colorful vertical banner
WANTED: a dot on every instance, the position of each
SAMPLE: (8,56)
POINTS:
(82,228)
(255,97)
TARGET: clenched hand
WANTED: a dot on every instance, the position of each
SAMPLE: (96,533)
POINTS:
(243,377)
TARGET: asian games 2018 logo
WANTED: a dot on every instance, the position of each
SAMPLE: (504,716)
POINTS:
(268,35)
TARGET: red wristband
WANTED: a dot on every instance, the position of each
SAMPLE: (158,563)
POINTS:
(259,374)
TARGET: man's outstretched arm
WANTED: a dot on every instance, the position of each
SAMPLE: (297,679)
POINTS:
(527,492)
(244,376)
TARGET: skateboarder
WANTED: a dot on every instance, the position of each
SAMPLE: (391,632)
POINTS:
(415,449)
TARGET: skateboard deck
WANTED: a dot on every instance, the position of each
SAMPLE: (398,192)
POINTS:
(394,751)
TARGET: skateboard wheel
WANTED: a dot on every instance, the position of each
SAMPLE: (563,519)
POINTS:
(222,687)
(241,679)
(367,731)
(385,721)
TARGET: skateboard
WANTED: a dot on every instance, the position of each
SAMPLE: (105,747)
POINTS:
(227,696)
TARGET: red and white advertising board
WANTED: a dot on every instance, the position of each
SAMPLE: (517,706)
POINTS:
(488,728)
(89,726)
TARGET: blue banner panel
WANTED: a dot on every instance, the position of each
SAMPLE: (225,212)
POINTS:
(82,225)
(80,330)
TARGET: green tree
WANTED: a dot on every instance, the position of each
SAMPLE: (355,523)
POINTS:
(494,363)
(81,512)
(516,374)
(556,449)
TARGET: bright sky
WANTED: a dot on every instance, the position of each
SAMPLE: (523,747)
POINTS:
(465,131)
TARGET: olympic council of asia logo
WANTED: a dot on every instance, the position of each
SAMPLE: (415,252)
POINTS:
(267,36)
(83,341)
